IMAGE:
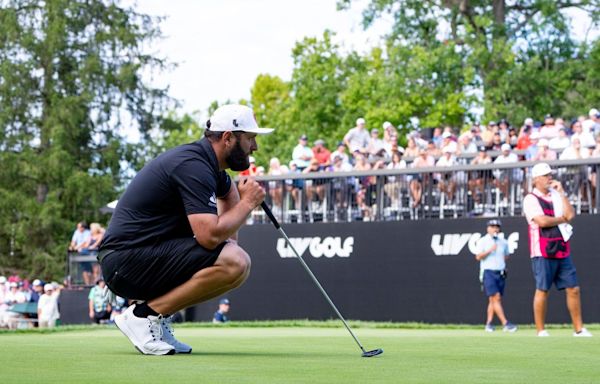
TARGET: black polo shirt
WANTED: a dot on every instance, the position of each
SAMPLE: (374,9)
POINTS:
(182,181)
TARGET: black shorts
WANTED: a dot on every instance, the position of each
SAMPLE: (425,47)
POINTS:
(146,273)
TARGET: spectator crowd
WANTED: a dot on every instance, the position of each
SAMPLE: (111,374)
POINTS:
(495,142)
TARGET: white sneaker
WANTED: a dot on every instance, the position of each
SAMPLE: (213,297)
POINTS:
(583,333)
(146,334)
(543,333)
(169,336)
(489,328)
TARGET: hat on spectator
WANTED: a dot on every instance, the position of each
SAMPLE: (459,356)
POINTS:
(224,301)
(2,280)
(13,284)
(494,223)
(235,117)
(374,130)
(481,148)
(540,169)
(387,124)
(319,142)
(340,144)
(492,123)
(548,116)
(360,121)
(251,159)
(400,149)
(529,121)
(48,287)
(36,282)
(593,112)
(303,137)
(503,121)
(543,143)
(505,147)
(446,135)
(337,157)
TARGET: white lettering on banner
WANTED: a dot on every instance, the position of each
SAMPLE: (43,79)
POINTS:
(454,243)
(328,246)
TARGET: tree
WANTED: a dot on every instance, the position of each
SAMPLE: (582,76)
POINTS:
(70,81)
(501,40)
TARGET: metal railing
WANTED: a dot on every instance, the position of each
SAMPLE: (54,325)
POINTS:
(420,193)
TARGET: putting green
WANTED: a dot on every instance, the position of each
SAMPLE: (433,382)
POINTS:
(303,355)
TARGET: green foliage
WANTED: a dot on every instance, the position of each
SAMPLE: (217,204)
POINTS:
(70,81)
(522,53)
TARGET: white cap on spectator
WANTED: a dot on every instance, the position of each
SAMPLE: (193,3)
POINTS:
(36,282)
(543,143)
(251,159)
(13,284)
(505,147)
(2,280)
(593,112)
(446,135)
(529,121)
(48,287)
(235,117)
(540,169)
(386,125)
(360,121)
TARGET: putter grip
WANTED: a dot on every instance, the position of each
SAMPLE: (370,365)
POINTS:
(267,210)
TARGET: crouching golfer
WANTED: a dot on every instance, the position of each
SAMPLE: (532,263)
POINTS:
(171,242)
(492,255)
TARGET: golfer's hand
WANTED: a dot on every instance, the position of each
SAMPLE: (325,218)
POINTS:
(250,191)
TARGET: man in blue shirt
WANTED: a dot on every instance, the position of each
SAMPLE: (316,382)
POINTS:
(221,315)
(492,254)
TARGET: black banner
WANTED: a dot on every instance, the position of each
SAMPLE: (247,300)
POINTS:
(422,271)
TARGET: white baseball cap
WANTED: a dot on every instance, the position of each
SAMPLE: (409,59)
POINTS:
(235,117)
(37,282)
(48,287)
(529,121)
(2,280)
(593,112)
(540,169)
(386,125)
(360,120)
(446,135)
(505,147)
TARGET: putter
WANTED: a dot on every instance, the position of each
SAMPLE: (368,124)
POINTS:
(365,353)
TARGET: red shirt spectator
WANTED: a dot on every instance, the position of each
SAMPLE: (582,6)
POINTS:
(321,153)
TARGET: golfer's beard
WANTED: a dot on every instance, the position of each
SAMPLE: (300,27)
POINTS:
(238,159)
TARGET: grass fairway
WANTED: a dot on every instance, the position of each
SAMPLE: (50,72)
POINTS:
(304,355)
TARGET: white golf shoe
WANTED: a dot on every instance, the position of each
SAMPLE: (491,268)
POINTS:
(146,334)
(169,336)
(583,333)
(543,333)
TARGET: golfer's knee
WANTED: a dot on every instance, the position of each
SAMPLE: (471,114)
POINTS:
(236,263)
(573,291)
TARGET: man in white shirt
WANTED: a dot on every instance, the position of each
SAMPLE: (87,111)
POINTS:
(48,307)
(302,153)
(357,138)
(492,252)
(502,179)
(547,210)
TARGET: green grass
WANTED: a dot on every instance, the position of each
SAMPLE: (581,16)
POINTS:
(304,352)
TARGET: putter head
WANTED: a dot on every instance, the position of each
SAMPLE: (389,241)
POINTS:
(372,353)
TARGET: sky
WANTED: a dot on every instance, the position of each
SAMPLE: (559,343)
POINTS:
(222,46)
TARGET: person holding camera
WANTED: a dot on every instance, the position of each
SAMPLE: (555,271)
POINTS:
(492,254)
(548,213)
